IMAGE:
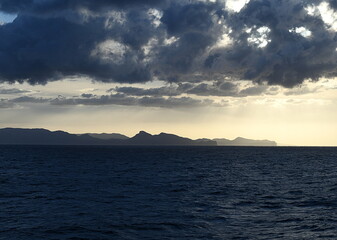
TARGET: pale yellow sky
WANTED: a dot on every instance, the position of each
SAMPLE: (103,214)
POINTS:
(305,115)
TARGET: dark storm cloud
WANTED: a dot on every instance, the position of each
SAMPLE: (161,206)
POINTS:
(47,6)
(194,28)
(52,39)
(333,4)
(38,50)
(129,41)
(289,58)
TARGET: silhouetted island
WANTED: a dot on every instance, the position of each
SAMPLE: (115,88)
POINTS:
(107,136)
(19,136)
(245,142)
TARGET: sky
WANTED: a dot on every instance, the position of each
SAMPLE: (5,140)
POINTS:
(260,69)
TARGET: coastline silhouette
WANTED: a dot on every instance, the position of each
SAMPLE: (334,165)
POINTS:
(20,136)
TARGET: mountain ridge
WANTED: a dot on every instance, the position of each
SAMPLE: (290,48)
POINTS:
(106,136)
(40,136)
(240,141)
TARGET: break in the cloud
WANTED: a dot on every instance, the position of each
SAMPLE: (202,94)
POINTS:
(132,41)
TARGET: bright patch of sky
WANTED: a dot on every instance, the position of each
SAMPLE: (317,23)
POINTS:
(115,17)
(110,51)
(236,5)
(224,41)
(156,16)
(302,31)
(328,15)
(259,36)
(295,111)
(6,18)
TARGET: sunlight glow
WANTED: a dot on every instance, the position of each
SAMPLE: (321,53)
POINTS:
(6,18)
(236,5)
(259,37)
(110,51)
(301,31)
(328,15)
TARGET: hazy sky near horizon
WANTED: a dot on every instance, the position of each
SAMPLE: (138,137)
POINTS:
(261,69)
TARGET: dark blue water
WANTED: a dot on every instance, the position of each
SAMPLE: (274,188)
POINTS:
(167,193)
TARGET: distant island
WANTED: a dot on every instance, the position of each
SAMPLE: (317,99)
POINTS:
(20,136)
(244,142)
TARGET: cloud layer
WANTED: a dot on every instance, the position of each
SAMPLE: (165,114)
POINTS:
(186,42)
(112,99)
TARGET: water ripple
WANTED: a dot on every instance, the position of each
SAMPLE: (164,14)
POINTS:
(167,193)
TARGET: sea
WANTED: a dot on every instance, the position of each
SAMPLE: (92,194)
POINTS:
(103,192)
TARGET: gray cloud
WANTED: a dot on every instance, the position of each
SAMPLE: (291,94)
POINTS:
(113,99)
(195,28)
(302,91)
(5,91)
(218,89)
(254,91)
(117,99)
(333,4)
(222,89)
(124,100)
(289,58)
(161,91)
(50,6)
(129,41)
(87,95)
(48,49)
(29,99)
(4,103)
